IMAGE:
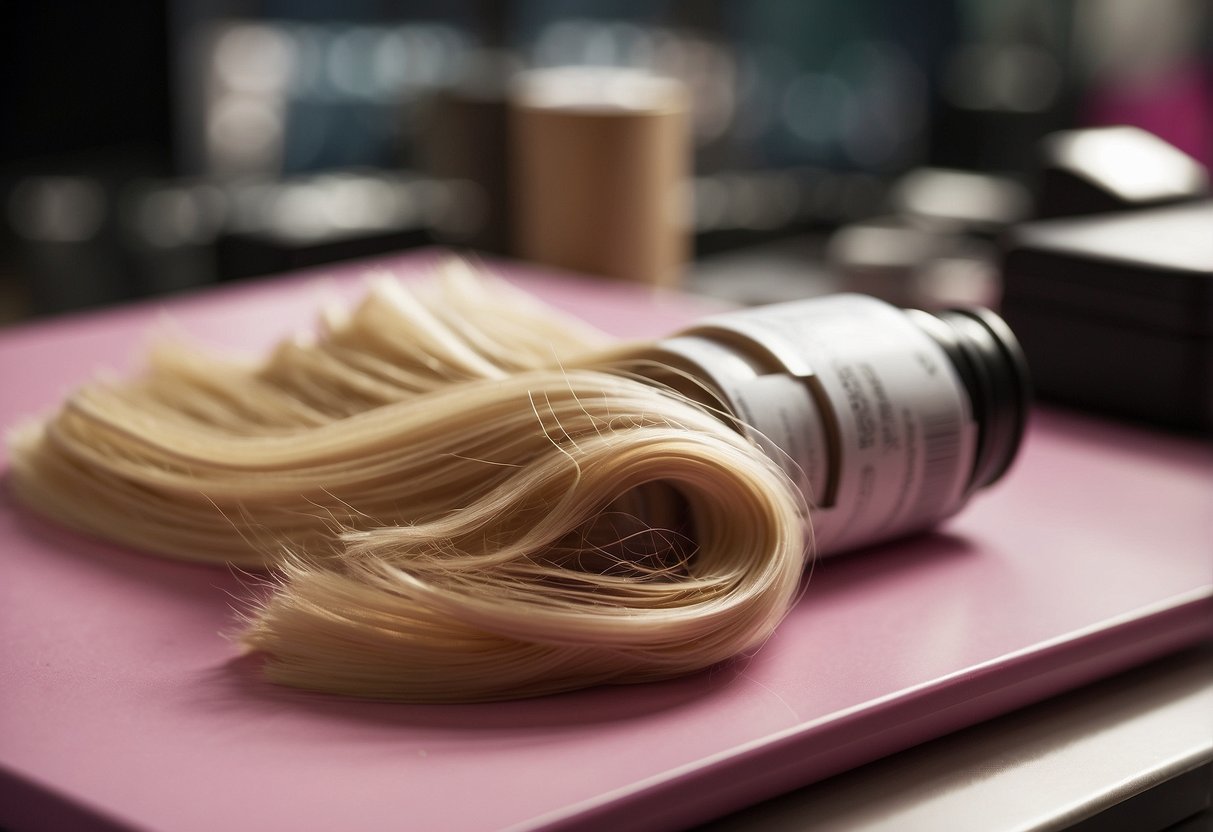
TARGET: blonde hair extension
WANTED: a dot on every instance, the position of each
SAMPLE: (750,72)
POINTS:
(465,496)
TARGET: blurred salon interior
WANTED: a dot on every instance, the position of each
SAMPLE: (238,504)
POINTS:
(884,146)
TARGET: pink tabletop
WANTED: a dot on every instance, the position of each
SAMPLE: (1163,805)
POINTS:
(123,706)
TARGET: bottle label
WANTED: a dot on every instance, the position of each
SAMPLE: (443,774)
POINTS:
(861,407)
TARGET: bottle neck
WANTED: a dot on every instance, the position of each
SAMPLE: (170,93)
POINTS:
(988,359)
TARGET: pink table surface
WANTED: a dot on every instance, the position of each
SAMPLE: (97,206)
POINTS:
(121,706)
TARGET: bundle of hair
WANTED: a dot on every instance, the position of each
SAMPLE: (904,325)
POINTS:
(462,494)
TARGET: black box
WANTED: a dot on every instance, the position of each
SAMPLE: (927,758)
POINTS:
(1115,312)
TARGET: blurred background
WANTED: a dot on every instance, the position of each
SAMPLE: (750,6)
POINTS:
(157,146)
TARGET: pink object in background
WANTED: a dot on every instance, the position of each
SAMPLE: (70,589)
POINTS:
(121,706)
(1176,105)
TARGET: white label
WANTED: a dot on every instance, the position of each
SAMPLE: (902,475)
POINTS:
(891,413)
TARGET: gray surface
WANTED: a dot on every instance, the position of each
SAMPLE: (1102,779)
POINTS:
(1113,755)
(771,273)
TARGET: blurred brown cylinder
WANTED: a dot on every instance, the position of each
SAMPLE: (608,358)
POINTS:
(463,136)
(599,162)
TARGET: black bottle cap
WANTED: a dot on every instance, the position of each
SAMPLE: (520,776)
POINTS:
(991,365)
